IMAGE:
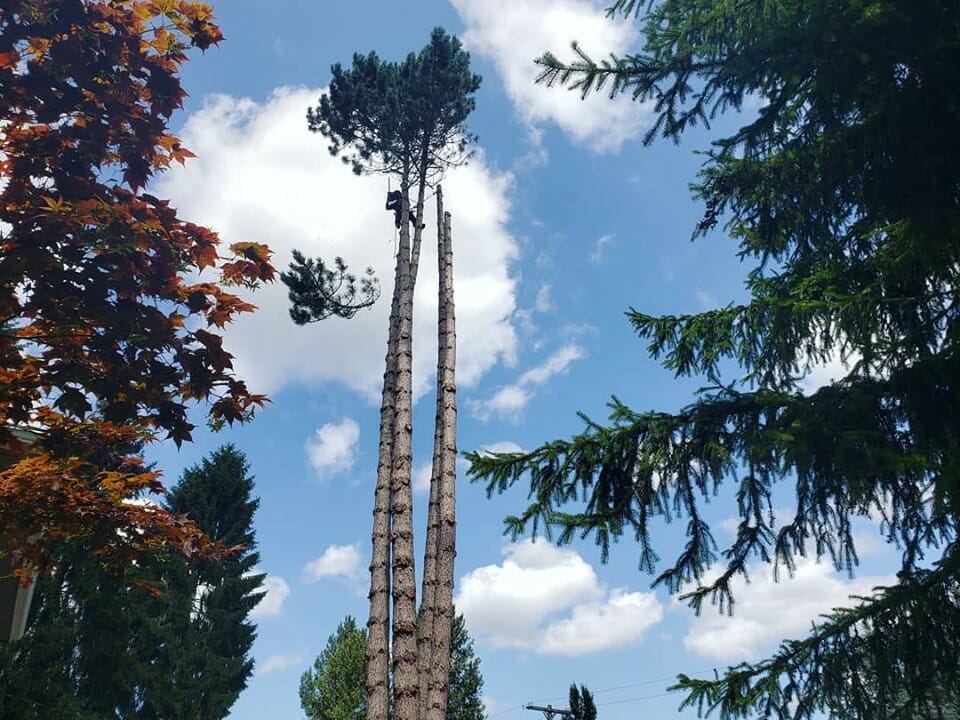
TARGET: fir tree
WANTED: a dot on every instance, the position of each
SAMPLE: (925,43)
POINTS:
(203,662)
(168,640)
(74,661)
(844,193)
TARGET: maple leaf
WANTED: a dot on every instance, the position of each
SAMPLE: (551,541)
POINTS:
(102,359)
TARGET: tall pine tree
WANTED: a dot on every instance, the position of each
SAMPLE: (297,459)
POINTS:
(406,119)
(843,191)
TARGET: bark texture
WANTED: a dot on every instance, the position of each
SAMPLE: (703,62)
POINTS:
(405,676)
(428,594)
(378,622)
(436,706)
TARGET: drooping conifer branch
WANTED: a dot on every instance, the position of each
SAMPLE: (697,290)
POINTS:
(843,191)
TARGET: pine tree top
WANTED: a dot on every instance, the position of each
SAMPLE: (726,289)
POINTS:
(400,117)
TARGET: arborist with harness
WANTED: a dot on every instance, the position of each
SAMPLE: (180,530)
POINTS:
(395,203)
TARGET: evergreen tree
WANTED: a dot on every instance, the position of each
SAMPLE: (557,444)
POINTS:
(465,698)
(844,193)
(73,662)
(581,703)
(100,645)
(203,663)
(334,688)
(406,119)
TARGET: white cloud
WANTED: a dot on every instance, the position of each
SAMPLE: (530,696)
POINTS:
(493,707)
(706,300)
(512,34)
(336,561)
(260,175)
(278,663)
(509,401)
(543,303)
(823,374)
(277,591)
(556,364)
(599,248)
(421,477)
(332,448)
(548,600)
(767,612)
(504,446)
(616,620)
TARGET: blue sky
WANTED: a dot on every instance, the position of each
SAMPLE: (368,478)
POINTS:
(562,221)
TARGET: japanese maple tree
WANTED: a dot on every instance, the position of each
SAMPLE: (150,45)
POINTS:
(110,304)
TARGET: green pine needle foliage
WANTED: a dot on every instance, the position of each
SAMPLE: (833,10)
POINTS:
(843,191)
(316,292)
(412,114)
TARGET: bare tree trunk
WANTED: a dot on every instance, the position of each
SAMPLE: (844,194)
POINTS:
(428,595)
(405,681)
(378,623)
(436,706)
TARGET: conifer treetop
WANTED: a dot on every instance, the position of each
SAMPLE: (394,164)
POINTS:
(397,117)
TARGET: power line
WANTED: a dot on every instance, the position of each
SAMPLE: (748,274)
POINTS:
(640,683)
(549,711)
(625,687)
(504,712)
(637,699)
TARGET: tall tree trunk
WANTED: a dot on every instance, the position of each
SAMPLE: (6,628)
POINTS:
(378,623)
(446,480)
(428,594)
(405,681)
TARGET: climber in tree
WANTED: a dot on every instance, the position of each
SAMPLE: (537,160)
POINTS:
(395,203)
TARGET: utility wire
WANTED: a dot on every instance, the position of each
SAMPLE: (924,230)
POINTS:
(637,699)
(604,690)
(625,687)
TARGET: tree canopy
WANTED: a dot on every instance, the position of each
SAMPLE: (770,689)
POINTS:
(843,190)
(334,687)
(316,292)
(465,687)
(166,640)
(108,337)
(414,112)
(203,662)
(582,704)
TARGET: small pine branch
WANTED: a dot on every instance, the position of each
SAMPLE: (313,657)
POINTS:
(317,292)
